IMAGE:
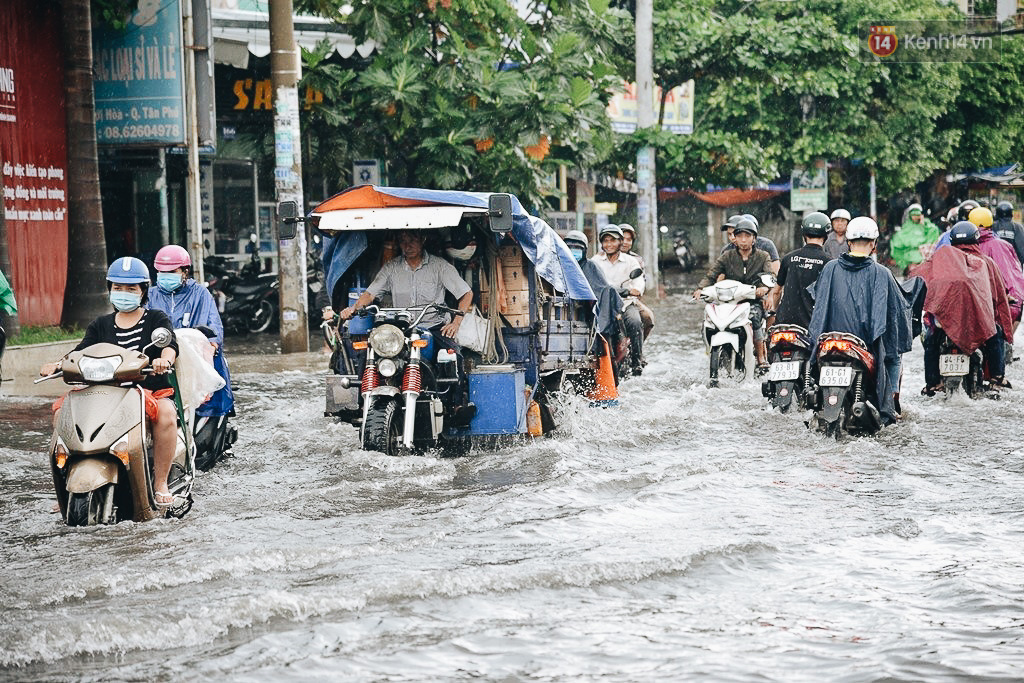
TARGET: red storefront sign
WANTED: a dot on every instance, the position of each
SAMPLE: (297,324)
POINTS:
(33,156)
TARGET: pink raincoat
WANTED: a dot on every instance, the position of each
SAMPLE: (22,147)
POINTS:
(1006,261)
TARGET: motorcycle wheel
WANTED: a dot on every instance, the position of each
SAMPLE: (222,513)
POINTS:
(383,429)
(974,381)
(835,428)
(92,508)
(726,361)
(262,318)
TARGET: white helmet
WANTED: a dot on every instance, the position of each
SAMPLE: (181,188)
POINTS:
(840,213)
(862,228)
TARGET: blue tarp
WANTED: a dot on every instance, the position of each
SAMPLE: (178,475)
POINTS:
(538,240)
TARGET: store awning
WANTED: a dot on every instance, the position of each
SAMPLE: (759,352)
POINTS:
(725,197)
(239,33)
(999,174)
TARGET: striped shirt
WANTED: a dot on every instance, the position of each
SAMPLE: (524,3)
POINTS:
(105,329)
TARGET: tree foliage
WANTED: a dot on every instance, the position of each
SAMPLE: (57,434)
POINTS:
(470,95)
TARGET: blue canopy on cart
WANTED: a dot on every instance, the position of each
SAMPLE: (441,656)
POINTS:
(538,240)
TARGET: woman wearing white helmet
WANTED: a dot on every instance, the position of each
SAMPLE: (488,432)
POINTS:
(855,295)
(835,243)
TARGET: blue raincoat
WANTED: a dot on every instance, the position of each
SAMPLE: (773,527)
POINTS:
(192,305)
(858,296)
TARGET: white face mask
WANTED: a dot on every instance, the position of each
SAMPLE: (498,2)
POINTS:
(463,254)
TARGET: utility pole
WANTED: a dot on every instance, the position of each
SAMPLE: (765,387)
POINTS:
(194,221)
(284,76)
(647,196)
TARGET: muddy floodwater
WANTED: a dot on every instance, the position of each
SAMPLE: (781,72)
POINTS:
(689,534)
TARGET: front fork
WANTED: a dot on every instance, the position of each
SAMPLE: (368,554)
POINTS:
(412,384)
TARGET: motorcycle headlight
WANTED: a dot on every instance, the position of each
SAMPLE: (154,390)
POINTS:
(99,369)
(386,340)
(387,367)
(725,293)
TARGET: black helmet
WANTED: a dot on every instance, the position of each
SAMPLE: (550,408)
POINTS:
(964,232)
(815,224)
(746,225)
(965,209)
(1004,210)
(731,223)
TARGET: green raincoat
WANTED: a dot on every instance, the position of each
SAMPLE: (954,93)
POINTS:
(7,301)
(904,244)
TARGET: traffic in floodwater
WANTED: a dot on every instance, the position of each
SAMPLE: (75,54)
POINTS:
(688,533)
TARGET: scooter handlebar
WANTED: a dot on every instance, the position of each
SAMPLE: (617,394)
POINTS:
(55,375)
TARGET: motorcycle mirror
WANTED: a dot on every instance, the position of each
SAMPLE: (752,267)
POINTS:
(161,337)
(287,217)
(768,280)
(635,273)
(499,212)
(663,230)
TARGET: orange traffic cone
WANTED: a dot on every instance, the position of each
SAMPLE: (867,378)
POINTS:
(604,392)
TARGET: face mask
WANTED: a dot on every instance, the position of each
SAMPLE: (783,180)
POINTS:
(577,253)
(126,302)
(463,254)
(168,281)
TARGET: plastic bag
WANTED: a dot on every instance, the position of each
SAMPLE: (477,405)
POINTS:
(474,331)
(197,378)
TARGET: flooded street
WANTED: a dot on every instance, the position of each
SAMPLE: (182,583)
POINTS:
(687,534)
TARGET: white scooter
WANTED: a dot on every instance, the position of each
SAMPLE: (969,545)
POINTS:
(727,332)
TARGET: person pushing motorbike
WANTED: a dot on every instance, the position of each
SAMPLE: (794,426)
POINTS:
(856,295)
(744,264)
(131,326)
(799,271)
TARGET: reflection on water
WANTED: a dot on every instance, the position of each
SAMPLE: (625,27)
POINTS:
(689,533)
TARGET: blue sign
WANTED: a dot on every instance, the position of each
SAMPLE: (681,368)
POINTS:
(139,78)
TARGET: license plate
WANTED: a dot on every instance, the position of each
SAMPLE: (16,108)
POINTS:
(954,364)
(784,370)
(832,376)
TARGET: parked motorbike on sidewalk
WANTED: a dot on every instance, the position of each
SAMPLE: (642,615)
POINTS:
(683,248)
(789,349)
(247,300)
(100,451)
(727,332)
(841,388)
(404,384)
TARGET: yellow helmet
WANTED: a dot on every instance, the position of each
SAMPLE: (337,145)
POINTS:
(981,217)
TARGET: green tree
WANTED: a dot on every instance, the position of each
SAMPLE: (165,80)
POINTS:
(469,95)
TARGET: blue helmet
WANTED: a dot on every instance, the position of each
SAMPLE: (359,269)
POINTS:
(964,232)
(128,270)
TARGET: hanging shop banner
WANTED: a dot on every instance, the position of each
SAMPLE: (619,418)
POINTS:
(809,187)
(139,78)
(34,158)
(622,109)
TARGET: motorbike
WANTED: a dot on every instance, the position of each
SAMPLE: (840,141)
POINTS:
(404,382)
(100,449)
(622,346)
(960,369)
(727,331)
(247,300)
(789,349)
(841,387)
(683,248)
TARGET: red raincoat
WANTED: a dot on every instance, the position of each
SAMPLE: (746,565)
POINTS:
(967,295)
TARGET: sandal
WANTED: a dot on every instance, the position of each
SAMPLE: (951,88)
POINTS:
(1000,383)
(163,500)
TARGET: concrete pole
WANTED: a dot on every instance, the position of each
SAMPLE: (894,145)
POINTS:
(284,76)
(193,212)
(647,197)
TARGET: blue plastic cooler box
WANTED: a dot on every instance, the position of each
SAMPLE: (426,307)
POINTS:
(499,392)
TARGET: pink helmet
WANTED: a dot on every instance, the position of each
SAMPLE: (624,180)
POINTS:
(171,258)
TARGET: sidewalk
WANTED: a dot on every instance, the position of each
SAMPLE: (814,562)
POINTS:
(21,365)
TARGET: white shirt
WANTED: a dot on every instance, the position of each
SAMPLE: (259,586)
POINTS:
(617,274)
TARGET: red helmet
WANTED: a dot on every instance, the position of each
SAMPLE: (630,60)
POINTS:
(171,258)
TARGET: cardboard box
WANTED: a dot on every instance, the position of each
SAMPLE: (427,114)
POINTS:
(520,320)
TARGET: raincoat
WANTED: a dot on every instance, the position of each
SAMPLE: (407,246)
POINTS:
(7,301)
(966,294)
(904,247)
(609,303)
(1005,259)
(192,305)
(858,296)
